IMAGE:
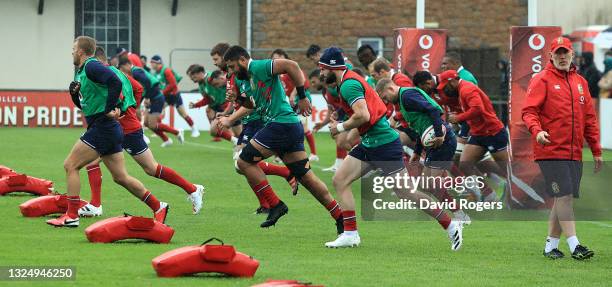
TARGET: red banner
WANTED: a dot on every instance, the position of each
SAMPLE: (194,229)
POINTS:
(38,109)
(419,49)
(529,54)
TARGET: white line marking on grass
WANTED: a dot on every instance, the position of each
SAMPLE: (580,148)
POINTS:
(600,224)
(208,146)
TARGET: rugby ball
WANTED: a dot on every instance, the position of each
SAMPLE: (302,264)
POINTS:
(429,134)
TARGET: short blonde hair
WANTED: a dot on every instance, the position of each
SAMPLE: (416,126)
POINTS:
(87,44)
(383,84)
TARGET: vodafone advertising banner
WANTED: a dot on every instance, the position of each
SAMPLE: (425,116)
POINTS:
(38,109)
(419,49)
(529,47)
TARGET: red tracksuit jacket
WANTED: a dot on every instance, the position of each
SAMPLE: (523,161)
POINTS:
(559,103)
(477,110)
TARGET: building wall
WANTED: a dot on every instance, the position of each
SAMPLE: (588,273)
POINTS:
(197,25)
(572,14)
(36,49)
(298,23)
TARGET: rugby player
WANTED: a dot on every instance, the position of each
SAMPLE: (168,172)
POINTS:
(291,92)
(137,148)
(421,112)
(168,83)
(486,132)
(343,142)
(154,102)
(380,147)
(212,86)
(282,133)
(96,90)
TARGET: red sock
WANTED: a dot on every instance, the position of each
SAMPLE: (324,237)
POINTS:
(262,201)
(161,134)
(341,153)
(264,190)
(311,142)
(442,217)
(151,201)
(350,220)
(334,209)
(169,175)
(74,203)
(227,135)
(273,169)
(167,128)
(189,121)
(95,183)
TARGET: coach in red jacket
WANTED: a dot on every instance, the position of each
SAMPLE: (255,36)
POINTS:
(559,114)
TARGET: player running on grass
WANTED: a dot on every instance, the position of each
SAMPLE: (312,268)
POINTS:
(248,126)
(344,141)
(379,148)
(96,90)
(332,111)
(212,87)
(291,92)
(380,69)
(139,151)
(487,132)
(216,55)
(282,133)
(421,112)
(154,101)
(452,61)
(168,80)
(251,124)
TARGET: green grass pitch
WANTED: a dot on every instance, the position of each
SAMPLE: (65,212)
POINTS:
(392,253)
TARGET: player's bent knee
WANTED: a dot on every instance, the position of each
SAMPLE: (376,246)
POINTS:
(150,171)
(299,168)
(70,166)
(346,146)
(237,168)
(250,154)
(336,181)
(339,182)
(121,180)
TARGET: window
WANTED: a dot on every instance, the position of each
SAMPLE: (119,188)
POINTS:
(375,42)
(113,23)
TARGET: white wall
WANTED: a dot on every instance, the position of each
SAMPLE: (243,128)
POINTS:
(197,24)
(36,49)
(572,14)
